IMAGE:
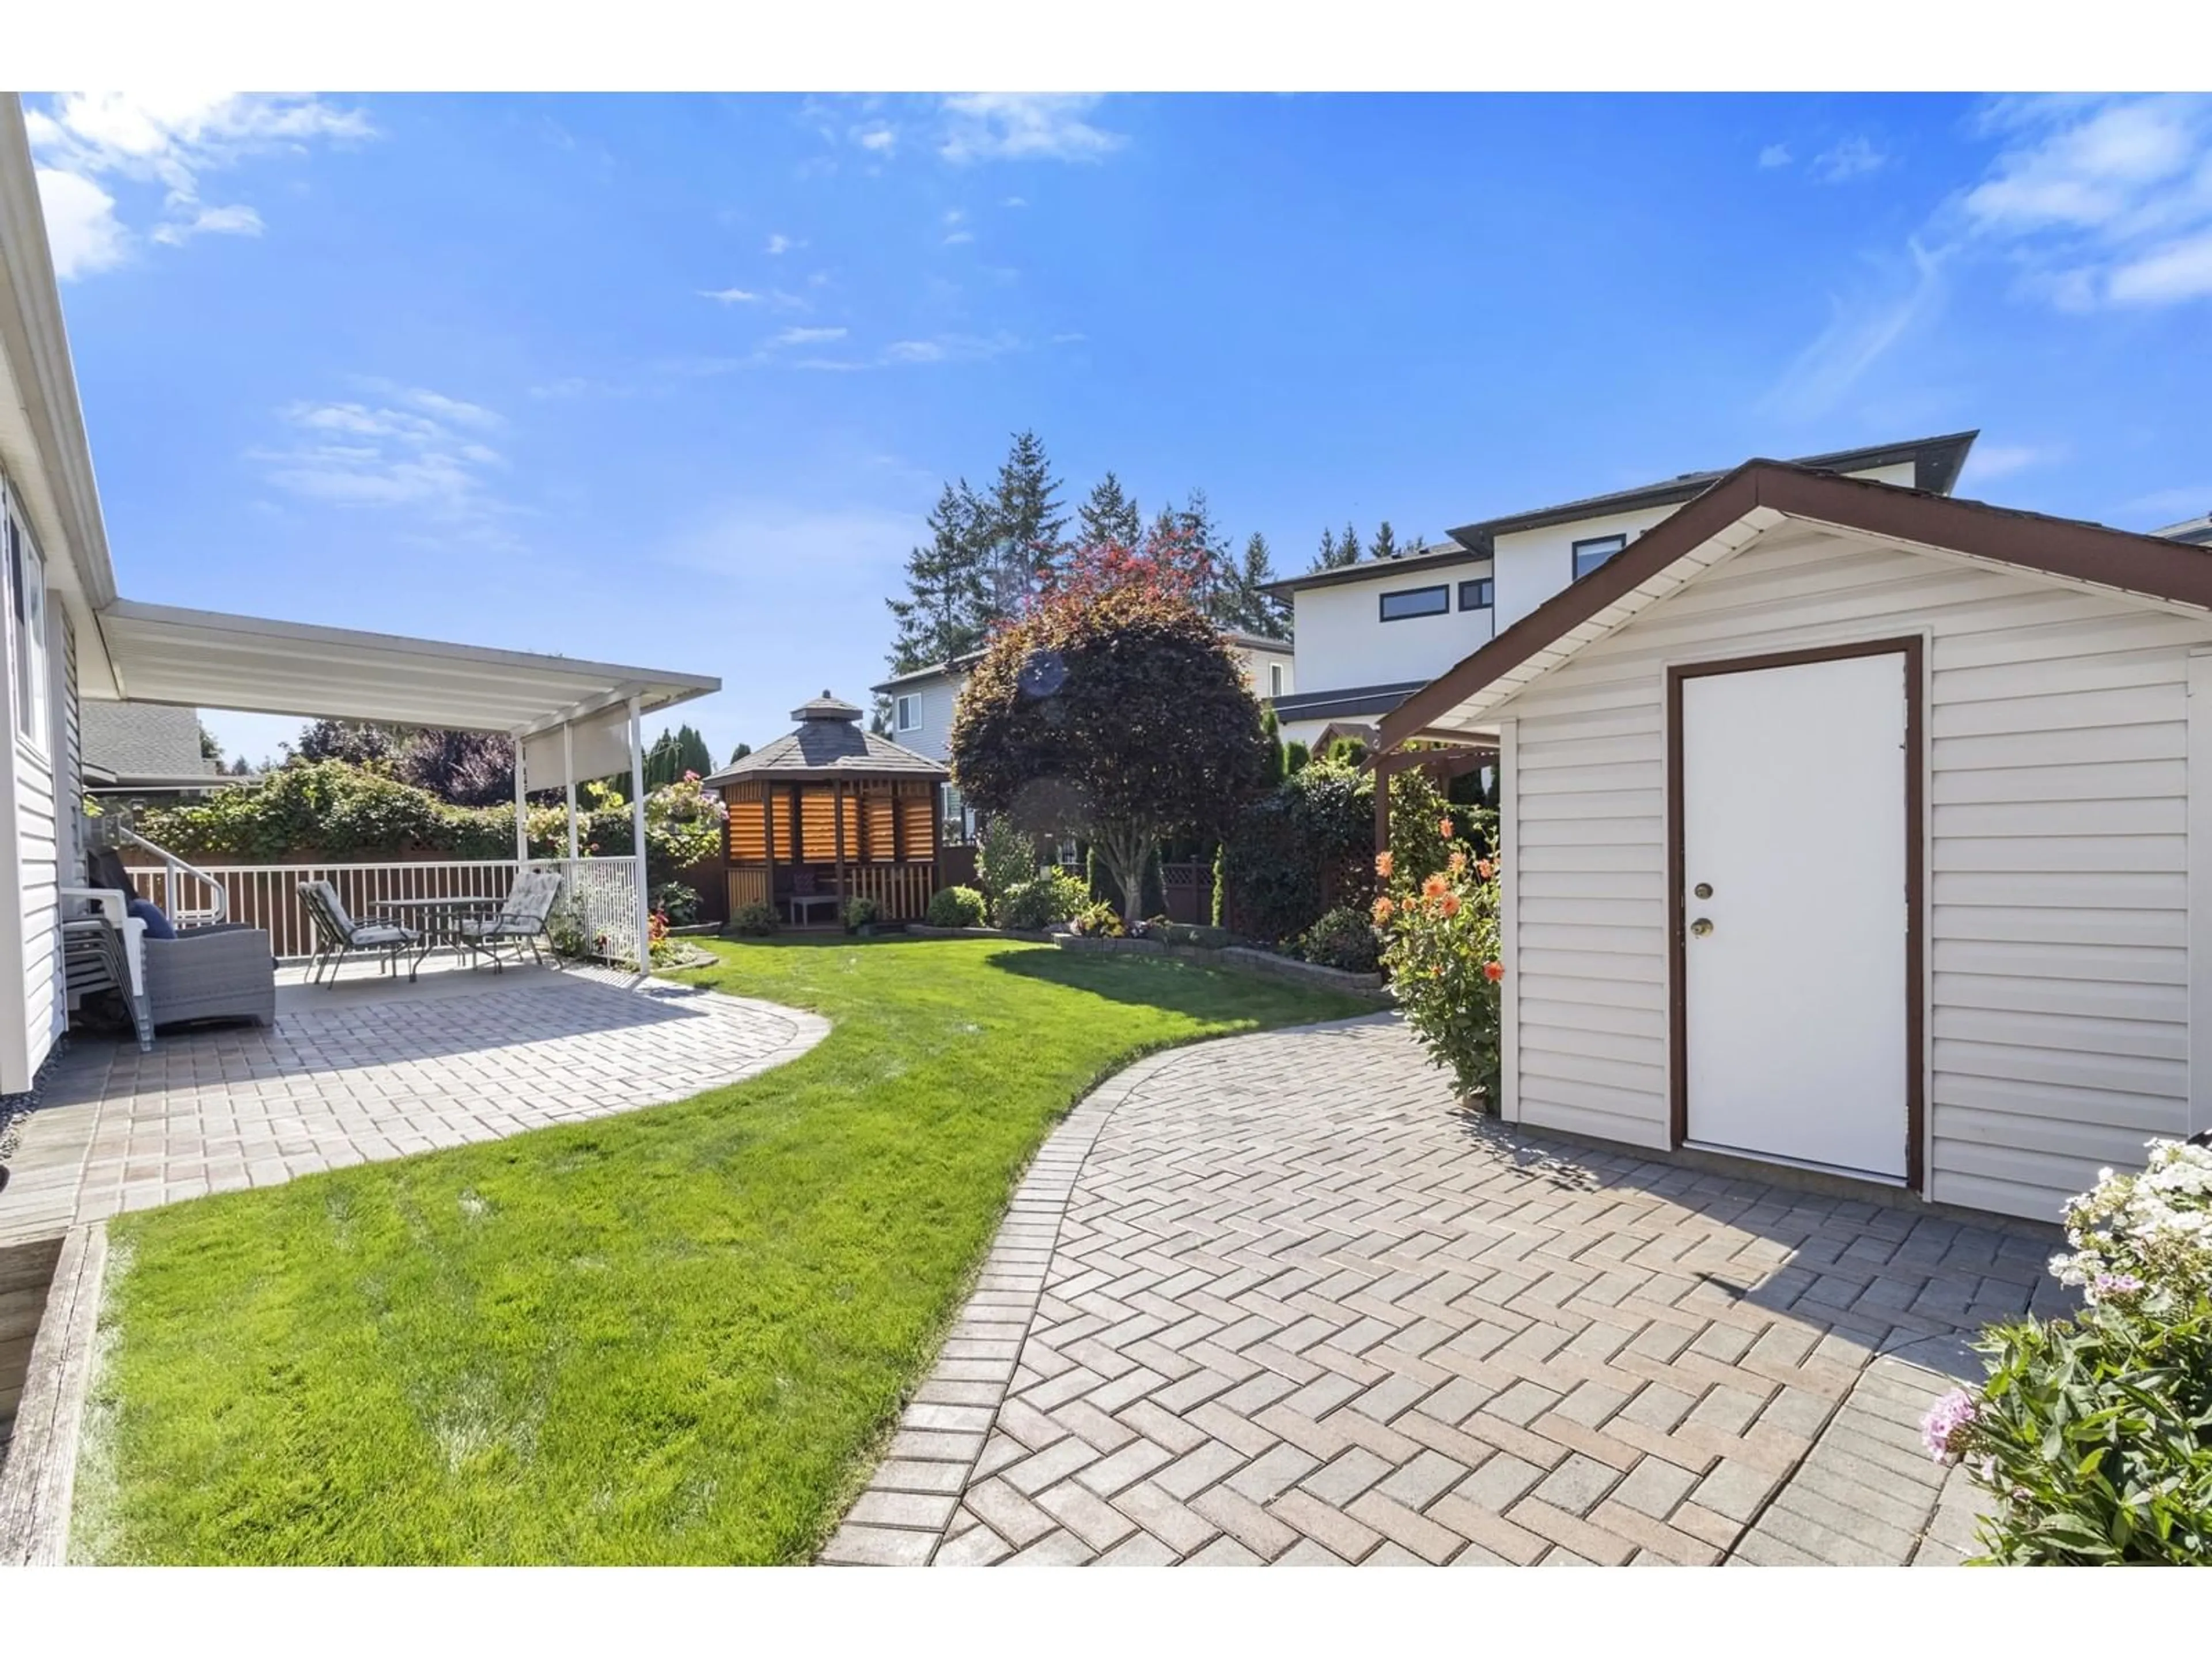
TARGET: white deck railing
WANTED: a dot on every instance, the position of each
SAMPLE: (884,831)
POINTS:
(600,892)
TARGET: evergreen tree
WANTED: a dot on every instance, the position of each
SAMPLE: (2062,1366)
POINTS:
(1334,556)
(1211,576)
(1348,550)
(946,609)
(1253,609)
(1110,516)
(740,752)
(1021,528)
(1386,544)
(673,754)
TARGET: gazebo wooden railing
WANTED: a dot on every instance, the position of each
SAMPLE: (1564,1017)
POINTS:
(874,837)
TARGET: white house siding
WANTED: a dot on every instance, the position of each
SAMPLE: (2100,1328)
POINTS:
(1343,643)
(1534,564)
(2056,727)
(934,699)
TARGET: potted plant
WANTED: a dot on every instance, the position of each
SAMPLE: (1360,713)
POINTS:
(861,915)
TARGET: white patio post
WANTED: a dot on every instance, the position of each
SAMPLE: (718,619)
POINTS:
(521,816)
(637,833)
(568,769)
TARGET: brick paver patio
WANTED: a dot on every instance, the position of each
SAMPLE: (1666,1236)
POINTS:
(368,1071)
(1274,1300)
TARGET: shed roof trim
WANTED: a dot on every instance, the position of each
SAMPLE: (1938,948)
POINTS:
(1761,494)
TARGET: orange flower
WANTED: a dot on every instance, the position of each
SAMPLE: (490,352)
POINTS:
(1435,886)
(1456,863)
(1383,910)
(1444,828)
(1382,864)
(1449,904)
(1493,971)
(1485,868)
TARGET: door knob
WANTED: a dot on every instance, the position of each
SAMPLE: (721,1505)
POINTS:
(1703,890)
(1701,927)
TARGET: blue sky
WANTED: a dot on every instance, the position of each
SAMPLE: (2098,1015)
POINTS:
(673,379)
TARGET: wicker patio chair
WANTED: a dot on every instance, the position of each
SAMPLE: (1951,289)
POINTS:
(338,934)
(521,921)
(218,970)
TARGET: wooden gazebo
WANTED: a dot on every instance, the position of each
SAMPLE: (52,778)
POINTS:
(829,813)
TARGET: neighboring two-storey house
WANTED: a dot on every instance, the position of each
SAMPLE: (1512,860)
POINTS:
(921,701)
(1369,634)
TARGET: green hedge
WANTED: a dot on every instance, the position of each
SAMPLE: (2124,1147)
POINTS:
(338,813)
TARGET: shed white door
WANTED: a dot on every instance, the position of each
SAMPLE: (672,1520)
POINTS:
(1793,819)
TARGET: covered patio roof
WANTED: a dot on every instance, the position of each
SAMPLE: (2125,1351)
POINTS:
(212,659)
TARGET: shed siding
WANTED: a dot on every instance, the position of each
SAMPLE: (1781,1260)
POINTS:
(2057,930)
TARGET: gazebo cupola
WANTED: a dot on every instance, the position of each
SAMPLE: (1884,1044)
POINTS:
(830,811)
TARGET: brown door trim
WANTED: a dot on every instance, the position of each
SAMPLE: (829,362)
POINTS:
(1913,648)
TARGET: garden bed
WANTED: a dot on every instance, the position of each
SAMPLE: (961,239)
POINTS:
(1235,955)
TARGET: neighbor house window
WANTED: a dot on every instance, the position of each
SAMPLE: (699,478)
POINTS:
(1416,602)
(26,623)
(909,714)
(1275,679)
(1595,552)
(1479,594)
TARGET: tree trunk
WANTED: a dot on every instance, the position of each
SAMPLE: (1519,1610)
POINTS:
(1128,855)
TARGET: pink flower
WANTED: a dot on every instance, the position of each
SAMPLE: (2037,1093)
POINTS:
(1944,1430)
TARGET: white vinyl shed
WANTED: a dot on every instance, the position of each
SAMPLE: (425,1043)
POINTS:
(1860,830)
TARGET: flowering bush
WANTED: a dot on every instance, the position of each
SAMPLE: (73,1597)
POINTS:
(1098,919)
(2094,1434)
(1440,946)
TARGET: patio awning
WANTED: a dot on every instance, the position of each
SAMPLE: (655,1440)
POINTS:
(211,659)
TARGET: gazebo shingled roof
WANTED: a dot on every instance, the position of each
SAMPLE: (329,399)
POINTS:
(830,744)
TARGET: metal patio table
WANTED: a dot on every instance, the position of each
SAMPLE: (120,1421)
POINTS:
(437,921)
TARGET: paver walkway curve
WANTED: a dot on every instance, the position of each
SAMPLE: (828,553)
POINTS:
(372,1071)
(1275,1299)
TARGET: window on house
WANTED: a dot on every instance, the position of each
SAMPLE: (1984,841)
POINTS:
(1589,555)
(909,714)
(1408,602)
(1275,679)
(27,621)
(1479,594)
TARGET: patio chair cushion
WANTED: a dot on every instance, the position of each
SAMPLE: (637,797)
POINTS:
(157,925)
(381,933)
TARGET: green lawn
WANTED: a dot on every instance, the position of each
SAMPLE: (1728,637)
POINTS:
(674,1336)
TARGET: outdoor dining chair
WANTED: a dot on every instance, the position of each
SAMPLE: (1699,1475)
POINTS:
(521,920)
(338,934)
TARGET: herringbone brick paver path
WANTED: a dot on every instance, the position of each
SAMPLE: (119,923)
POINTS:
(1275,1299)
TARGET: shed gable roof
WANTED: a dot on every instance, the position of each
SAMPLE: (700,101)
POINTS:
(1731,513)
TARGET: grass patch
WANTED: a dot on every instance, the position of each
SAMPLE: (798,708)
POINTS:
(667,1336)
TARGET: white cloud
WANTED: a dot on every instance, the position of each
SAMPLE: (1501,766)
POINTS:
(2100,201)
(411,450)
(958,237)
(1854,158)
(1861,330)
(779,244)
(1021,126)
(1989,461)
(730,296)
(950,348)
(794,337)
(2180,271)
(1774,156)
(170,141)
(2186,501)
(1014,201)
(879,139)
(80,224)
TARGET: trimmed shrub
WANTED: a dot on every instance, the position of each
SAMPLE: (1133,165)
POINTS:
(1032,906)
(1342,938)
(1295,850)
(677,901)
(757,919)
(958,907)
(1005,854)
(2094,1434)
(861,911)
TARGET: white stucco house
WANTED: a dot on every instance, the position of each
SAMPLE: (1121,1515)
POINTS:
(921,701)
(1369,633)
(1855,829)
(70,638)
